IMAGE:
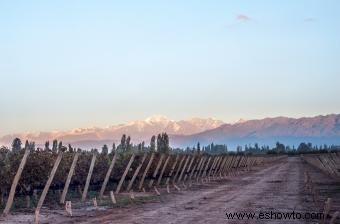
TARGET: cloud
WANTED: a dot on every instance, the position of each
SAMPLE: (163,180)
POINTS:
(243,18)
(310,20)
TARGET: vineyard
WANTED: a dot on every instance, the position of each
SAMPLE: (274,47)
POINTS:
(67,175)
(31,180)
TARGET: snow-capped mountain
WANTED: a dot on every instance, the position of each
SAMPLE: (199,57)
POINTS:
(291,131)
(140,130)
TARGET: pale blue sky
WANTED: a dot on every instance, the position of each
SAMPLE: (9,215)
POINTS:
(66,64)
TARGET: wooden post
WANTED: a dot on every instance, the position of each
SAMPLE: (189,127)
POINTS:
(157,192)
(221,166)
(68,208)
(183,169)
(113,199)
(172,170)
(206,168)
(107,176)
(156,170)
(218,166)
(146,171)
(178,169)
(225,168)
(327,208)
(15,182)
(189,167)
(230,164)
(212,166)
(88,178)
(136,172)
(69,176)
(36,216)
(49,181)
(198,162)
(95,204)
(132,195)
(125,173)
(163,169)
(199,168)
(176,187)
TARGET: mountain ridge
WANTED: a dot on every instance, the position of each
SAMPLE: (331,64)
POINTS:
(139,130)
(321,129)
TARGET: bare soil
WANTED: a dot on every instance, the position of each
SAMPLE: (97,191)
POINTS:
(277,187)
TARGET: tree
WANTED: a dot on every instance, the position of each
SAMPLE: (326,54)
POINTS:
(280,148)
(163,142)
(159,142)
(128,144)
(198,148)
(70,149)
(153,143)
(16,145)
(4,149)
(113,148)
(122,145)
(239,149)
(105,150)
(55,145)
(303,147)
(47,146)
(31,146)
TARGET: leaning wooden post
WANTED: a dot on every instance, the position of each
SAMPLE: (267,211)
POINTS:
(15,182)
(217,167)
(146,171)
(125,173)
(195,168)
(163,169)
(178,169)
(183,169)
(107,176)
(69,176)
(48,183)
(188,169)
(136,172)
(226,167)
(206,168)
(212,166)
(223,165)
(156,170)
(113,199)
(199,168)
(172,170)
(89,175)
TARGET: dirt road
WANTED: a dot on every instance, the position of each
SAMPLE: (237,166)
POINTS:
(276,187)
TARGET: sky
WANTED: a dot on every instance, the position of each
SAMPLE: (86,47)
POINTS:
(68,64)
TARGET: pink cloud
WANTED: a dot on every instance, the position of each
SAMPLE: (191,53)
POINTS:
(243,18)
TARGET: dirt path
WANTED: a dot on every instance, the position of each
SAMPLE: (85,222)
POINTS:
(276,187)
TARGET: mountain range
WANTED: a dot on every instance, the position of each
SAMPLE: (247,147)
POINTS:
(290,131)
